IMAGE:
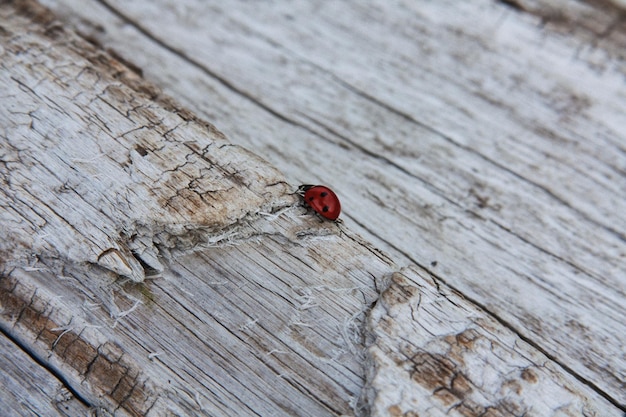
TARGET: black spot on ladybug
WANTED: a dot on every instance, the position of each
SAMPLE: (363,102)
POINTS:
(322,200)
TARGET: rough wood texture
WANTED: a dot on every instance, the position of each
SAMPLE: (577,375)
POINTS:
(100,182)
(100,173)
(465,365)
(29,389)
(482,140)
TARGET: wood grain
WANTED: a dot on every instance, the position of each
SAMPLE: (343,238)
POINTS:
(465,365)
(242,302)
(483,138)
(29,389)
(157,268)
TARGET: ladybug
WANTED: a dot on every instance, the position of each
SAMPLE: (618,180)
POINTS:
(321,199)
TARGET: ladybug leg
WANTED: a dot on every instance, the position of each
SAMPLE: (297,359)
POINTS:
(339,224)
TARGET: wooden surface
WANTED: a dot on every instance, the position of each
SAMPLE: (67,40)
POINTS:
(30,389)
(483,142)
(468,363)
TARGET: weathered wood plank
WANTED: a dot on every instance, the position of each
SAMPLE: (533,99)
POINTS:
(116,167)
(220,333)
(479,140)
(246,312)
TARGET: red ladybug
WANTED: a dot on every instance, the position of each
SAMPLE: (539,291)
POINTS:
(321,199)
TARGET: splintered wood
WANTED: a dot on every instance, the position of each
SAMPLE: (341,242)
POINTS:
(480,140)
(97,172)
(151,267)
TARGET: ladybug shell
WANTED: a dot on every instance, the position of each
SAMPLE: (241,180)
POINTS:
(323,200)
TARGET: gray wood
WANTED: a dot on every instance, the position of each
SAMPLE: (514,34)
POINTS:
(466,365)
(161,269)
(485,138)
(155,267)
(28,389)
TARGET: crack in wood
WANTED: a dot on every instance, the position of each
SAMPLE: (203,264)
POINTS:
(26,309)
(441,373)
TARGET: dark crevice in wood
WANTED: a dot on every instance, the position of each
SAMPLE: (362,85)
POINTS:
(41,362)
(148,270)
(197,64)
(513,4)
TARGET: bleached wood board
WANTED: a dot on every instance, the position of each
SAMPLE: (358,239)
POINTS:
(61,329)
(482,141)
(238,330)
